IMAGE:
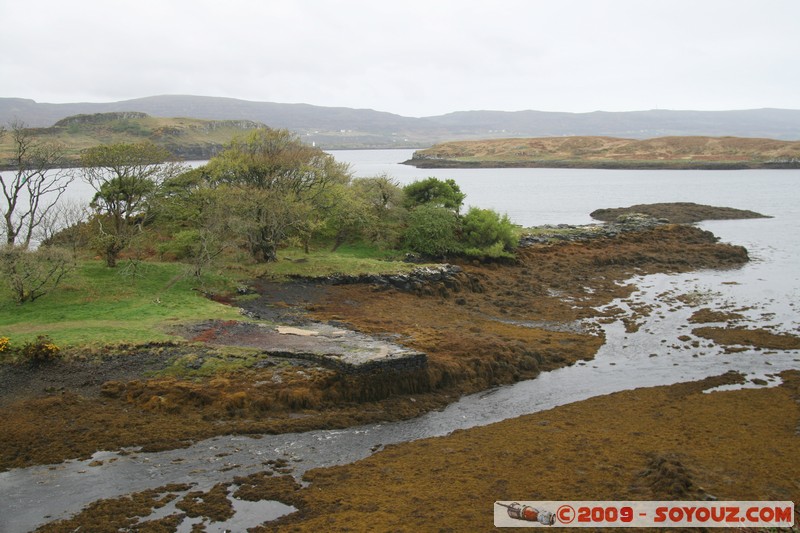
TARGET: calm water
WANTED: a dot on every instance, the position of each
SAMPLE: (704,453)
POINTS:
(554,196)
(767,289)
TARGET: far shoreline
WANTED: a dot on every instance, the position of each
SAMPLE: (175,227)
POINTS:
(598,152)
(599,165)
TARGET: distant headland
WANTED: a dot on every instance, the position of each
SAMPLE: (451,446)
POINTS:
(688,152)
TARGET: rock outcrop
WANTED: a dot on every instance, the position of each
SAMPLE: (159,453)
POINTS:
(441,279)
(570,233)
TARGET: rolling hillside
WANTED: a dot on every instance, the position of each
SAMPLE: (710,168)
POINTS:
(185,138)
(338,127)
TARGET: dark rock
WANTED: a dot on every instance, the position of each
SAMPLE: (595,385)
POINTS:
(441,279)
(568,233)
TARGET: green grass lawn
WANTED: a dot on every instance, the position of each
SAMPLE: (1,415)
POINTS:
(348,259)
(96,305)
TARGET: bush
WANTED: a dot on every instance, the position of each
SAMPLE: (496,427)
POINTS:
(7,352)
(496,251)
(39,351)
(32,274)
(434,191)
(184,244)
(485,227)
(432,231)
(486,233)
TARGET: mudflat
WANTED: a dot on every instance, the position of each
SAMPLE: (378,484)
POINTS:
(677,442)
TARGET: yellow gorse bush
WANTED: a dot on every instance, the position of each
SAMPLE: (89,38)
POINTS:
(39,351)
(51,349)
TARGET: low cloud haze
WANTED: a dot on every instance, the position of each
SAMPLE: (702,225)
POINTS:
(415,58)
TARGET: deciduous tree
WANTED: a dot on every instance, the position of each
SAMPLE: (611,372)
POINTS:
(282,185)
(384,197)
(32,190)
(30,274)
(348,216)
(124,177)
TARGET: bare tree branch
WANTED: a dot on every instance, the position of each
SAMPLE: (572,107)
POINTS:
(35,186)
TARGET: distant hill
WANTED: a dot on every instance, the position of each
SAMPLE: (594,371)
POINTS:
(765,123)
(340,127)
(187,139)
(610,152)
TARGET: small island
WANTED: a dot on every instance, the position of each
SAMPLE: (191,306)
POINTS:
(725,153)
(676,212)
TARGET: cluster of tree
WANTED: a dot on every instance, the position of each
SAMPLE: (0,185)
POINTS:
(265,190)
(436,228)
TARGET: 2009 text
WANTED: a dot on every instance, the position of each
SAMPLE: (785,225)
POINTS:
(645,514)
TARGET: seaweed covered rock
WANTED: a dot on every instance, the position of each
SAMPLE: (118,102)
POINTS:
(440,279)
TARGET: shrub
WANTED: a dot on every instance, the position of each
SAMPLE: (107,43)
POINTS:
(432,231)
(4,344)
(32,274)
(485,227)
(496,251)
(40,351)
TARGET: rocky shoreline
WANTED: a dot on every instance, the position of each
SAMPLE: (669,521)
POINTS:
(458,328)
(430,280)
(433,334)
(627,223)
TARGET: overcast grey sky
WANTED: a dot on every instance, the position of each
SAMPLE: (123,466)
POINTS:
(411,57)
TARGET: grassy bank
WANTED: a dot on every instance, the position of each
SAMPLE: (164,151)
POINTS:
(141,303)
(349,259)
(100,305)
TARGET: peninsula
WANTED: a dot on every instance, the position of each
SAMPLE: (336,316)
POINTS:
(186,139)
(612,152)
